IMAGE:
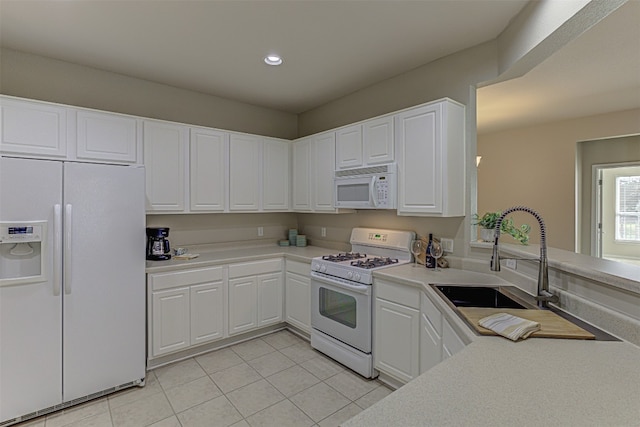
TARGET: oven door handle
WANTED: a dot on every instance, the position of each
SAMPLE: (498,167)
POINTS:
(354,287)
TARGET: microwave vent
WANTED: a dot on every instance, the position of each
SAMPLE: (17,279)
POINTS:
(364,171)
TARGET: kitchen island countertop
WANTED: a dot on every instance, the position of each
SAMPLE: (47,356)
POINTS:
(496,382)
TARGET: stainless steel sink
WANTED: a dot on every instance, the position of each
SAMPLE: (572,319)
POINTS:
(482,296)
(496,296)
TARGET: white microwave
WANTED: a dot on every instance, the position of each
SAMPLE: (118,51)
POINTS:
(372,187)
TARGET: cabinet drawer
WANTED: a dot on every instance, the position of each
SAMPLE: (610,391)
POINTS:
(254,267)
(401,294)
(159,281)
(300,268)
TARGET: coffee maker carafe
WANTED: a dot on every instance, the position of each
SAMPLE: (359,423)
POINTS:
(158,248)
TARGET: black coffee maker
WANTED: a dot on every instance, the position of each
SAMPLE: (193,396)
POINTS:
(158,248)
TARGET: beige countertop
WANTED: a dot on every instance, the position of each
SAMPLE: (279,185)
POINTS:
(214,255)
(496,382)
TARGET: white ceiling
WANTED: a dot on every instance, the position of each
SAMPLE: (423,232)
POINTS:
(330,47)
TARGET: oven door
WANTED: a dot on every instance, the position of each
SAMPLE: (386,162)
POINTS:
(342,310)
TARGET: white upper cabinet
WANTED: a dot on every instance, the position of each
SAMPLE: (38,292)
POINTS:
(166,157)
(301,174)
(34,129)
(349,147)
(378,140)
(276,185)
(314,160)
(366,143)
(431,160)
(208,170)
(245,172)
(323,159)
(106,137)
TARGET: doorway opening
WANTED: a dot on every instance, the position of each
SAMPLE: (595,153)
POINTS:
(616,223)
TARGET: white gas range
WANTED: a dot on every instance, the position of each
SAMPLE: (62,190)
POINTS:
(341,295)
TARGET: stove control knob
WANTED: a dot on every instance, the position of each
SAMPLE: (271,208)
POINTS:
(350,275)
(357,277)
(323,268)
(316,267)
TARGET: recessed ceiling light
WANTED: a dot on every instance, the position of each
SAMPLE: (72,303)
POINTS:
(272,60)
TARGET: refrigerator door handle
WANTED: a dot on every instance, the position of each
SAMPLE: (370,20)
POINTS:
(67,248)
(57,247)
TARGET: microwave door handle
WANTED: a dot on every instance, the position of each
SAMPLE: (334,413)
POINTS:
(373,192)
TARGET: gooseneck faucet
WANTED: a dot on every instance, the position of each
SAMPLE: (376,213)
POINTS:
(544,297)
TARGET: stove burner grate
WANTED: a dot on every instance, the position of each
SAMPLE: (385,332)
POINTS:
(346,256)
(374,262)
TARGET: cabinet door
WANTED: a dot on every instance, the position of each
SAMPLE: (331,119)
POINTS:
(451,342)
(33,128)
(378,140)
(170,321)
(302,174)
(419,160)
(349,147)
(269,299)
(208,166)
(243,310)
(298,301)
(430,334)
(430,345)
(207,312)
(245,172)
(323,167)
(107,137)
(396,349)
(166,164)
(275,182)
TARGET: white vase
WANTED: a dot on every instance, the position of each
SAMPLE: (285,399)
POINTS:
(486,234)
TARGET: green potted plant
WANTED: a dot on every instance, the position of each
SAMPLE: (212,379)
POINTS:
(488,221)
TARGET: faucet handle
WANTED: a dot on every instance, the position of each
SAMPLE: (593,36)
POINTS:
(547,296)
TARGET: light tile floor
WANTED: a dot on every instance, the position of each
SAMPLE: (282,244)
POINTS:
(276,380)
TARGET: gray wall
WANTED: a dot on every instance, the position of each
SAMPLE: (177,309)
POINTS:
(46,79)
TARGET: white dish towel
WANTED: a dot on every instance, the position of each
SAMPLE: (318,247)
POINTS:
(509,326)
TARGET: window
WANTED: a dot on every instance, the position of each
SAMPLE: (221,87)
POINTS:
(628,208)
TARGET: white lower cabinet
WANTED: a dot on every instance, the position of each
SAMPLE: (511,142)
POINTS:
(430,334)
(397,330)
(255,295)
(451,342)
(438,339)
(171,323)
(243,300)
(207,305)
(298,295)
(186,308)
(411,334)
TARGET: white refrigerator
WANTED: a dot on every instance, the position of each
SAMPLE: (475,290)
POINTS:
(72,283)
